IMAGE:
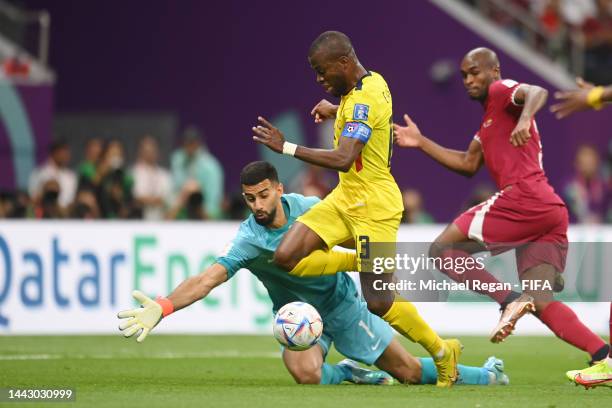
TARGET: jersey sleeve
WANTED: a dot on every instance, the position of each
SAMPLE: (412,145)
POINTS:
(300,204)
(503,92)
(307,202)
(237,254)
(359,116)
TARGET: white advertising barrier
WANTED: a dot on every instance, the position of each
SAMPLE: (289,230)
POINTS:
(73,277)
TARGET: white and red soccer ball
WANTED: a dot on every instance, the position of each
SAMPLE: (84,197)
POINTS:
(297,326)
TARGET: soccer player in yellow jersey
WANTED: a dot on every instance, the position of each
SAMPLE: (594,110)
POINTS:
(366,206)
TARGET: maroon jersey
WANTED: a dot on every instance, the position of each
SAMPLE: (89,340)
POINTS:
(506,163)
(526,209)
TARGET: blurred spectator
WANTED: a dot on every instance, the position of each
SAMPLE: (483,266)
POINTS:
(551,18)
(14,204)
(585,193)
(312,181)
(598,42)
(189,204)
(572,12)
(114,183)
(85,205)
(56,168)
(93,152)
(112,158)
(47,204)
(414,213)
(553,22)
(152,183)
(550,27)
(503,19)
(576,12)
(235,207)
(193,161)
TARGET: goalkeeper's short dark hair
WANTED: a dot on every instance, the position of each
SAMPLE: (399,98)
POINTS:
(256,172)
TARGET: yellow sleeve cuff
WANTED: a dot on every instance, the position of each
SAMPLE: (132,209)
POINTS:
(594,97)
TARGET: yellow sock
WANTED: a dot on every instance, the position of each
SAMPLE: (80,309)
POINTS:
(404,317)
(321,262)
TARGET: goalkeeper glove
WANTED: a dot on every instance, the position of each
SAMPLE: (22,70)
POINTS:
(144,318)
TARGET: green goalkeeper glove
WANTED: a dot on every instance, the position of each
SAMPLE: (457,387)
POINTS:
(144,318)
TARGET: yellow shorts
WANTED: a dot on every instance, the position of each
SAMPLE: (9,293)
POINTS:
(335,226)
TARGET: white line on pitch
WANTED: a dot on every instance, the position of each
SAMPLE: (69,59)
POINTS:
(215,354)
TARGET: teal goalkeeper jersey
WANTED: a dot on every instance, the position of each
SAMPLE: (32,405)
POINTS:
(253,249)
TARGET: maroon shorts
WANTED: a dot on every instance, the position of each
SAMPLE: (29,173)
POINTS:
(528,217)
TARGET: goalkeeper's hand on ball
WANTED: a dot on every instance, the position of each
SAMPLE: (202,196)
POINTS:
(142,319)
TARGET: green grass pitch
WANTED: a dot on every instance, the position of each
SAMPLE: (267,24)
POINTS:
(246,371)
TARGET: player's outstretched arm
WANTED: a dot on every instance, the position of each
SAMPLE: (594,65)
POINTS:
(340,158)
(465,163)
(587,96)
(144,318)
(197,287)
(532,98)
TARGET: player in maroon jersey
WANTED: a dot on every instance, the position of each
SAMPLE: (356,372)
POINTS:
(525,213)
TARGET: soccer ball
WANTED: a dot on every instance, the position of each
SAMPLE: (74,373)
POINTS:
(297,326)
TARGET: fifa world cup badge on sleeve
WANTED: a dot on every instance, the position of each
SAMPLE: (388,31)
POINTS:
(360,112)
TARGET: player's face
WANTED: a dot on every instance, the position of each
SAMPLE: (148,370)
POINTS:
(477,78)
(331,75)
(263,199)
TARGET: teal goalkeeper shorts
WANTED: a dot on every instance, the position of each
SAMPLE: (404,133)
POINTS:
(355,332)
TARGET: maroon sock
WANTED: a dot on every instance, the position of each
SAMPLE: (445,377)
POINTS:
(473,273)
(565,324)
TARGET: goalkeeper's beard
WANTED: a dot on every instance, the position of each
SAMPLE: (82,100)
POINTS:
(267,219)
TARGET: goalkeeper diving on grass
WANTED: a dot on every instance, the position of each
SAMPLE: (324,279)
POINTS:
(356,333)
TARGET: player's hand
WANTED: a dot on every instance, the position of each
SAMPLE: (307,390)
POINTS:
(143,319)
(268,135)
(520,135)
(572,101)
(324,110)
(407,136)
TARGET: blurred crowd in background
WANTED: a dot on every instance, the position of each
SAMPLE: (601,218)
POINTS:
(105,186)
(560,29)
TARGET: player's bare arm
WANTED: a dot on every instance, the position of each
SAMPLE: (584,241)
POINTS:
(144,318)
(532,98)
(587,96)
(340,158)
(466,163)
(324,110)
(198,287)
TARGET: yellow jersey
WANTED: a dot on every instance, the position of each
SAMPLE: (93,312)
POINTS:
(368,188)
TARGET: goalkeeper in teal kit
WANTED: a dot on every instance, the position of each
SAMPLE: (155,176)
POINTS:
(356,333)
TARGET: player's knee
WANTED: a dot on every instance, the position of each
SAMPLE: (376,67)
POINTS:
(284,259)
(379,307)
(307,375)
(436,249)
